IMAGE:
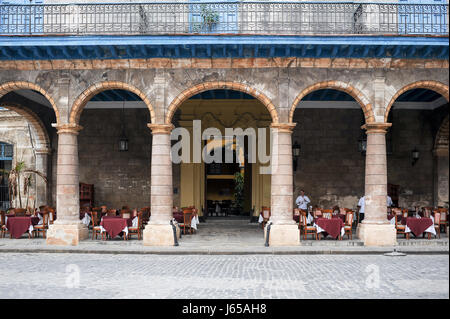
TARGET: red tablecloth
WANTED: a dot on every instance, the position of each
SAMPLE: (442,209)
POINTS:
(17,226)
(115,225)
(332,226)
(418,225)
(341,216)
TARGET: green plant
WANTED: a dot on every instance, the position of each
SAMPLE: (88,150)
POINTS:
(238,191)
(209,17)
(17,174)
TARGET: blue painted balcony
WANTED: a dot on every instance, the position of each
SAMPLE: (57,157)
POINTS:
(226,17)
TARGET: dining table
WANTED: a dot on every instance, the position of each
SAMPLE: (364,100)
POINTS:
(418,226)
(330,226)
(19,225)
(115,225)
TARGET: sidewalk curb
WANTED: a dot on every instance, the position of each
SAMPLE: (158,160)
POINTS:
(225,253)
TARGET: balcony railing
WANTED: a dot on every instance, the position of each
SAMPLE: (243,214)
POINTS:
(240,17)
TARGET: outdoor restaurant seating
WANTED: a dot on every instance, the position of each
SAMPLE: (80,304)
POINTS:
(437,225)
(136,229)
(305,228)
(96,229)
(42,228)
(327,213)
(188,214)
(399,226)
(348,227)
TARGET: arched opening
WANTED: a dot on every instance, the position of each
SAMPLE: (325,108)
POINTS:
(331,165)
(114,149)
(26,116)
(224,180)
(417,174)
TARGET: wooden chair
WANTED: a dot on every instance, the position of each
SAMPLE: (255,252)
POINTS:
(42,228)
(317,212)
(187,218)
(112,212)
(307,229)
(444,219)
(3,229)
(327,213)
(136,230)
(437,225)
(96,229)
(125,213)
(348,225)
(399,227)
(20,212)
(405,213)
(52,213)
(265,211)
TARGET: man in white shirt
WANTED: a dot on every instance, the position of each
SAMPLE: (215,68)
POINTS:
(302,202)
(362,204)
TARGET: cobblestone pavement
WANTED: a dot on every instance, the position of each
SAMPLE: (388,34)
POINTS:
(223,277)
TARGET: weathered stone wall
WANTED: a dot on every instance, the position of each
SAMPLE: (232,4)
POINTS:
(14,130)
(330,168)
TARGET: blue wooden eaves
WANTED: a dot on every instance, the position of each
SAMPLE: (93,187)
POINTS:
(120,47)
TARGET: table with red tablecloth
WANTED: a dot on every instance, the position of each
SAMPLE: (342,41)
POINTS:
(178,217)
(17,226)
(114,225)
(333,226)
(418,226)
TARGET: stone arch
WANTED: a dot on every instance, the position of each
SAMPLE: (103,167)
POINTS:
(23,85)
(442,136)
(436,86)
(206,86)
(90,92)
(362,100)
(34,120)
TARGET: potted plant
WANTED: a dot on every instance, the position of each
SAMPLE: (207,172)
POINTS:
(238,202)
(17,174)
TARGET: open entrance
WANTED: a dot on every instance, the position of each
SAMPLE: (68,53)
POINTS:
(221,185)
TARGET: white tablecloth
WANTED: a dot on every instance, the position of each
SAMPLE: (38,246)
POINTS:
(261,219)
(194,222)
(86,219)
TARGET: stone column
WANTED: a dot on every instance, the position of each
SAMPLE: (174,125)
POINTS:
(441,176)
(159,232)
(67,229)
(284,231)
(42,193)
(375,229)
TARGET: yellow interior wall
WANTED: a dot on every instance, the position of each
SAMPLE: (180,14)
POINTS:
(221,114)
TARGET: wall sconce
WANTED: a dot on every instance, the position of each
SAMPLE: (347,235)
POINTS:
(415,154)
(123,141)
(296,153)
(362,145)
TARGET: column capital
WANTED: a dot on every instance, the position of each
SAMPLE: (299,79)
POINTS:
(374,128)
(68,128)
(43,151)
(161,128)
(441,152)
(283,127)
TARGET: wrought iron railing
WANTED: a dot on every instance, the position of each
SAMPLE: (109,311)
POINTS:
(240,17)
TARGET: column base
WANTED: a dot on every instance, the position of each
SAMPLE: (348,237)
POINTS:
(377,234)
(66,235)
(159,235)
(283,235)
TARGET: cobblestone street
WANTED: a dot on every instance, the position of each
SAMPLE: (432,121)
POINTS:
(223,277)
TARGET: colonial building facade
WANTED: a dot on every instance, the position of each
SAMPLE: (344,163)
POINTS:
(324,77)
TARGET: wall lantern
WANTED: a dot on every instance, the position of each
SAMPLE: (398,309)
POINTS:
(296,153)
(362,145)
(415,154)
(123,141)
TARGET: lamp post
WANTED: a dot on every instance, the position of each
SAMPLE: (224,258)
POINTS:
(415,154)
(296,154)
(123,140)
